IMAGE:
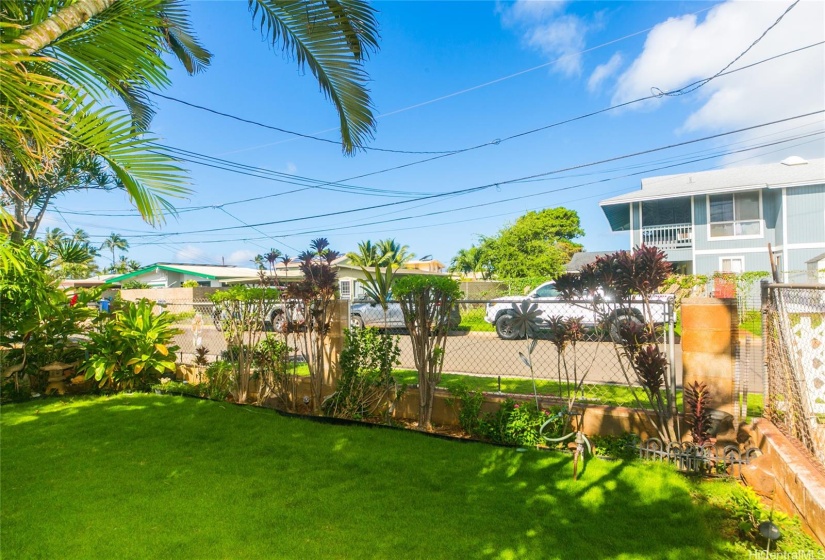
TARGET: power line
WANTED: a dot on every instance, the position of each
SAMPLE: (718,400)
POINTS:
(696,85)
(286,131)
(503,182)
(322,184)
(605,180)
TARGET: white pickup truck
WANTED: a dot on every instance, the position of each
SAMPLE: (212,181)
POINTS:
(500,311)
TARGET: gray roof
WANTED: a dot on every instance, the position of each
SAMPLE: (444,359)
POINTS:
(578,260)
(770,175)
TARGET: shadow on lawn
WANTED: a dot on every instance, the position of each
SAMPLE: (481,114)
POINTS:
(475,501)
(607,513)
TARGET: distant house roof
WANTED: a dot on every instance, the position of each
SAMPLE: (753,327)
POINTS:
(792,172)
(91,282)
(208,271)
(816,259)
(580,259)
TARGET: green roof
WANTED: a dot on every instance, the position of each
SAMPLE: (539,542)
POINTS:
(156,267)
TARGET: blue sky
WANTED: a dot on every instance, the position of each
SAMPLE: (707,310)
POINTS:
(450,75)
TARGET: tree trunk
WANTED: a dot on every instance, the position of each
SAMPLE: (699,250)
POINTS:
(39,218)
(49,30)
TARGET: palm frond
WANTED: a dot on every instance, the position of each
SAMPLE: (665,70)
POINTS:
(334,48)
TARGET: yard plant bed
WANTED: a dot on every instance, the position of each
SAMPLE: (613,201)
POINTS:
(149,476)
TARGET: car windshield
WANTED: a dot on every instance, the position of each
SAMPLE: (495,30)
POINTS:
(548,290)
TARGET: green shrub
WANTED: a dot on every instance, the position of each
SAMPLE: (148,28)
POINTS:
(135,285)
(219,380)
(366,382)
(518,423)
(131,348)
(617,447)
(189,284)
(468,406)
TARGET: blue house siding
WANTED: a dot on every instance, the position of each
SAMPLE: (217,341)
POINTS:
(806,214)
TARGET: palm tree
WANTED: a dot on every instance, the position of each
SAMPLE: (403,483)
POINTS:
(80,235)
(57,79)
(272,257)
(259,261)
(134,265)
(379,263)
(115,241)
(54,237)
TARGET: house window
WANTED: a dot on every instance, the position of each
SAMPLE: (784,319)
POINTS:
(733,265)
(344,288)
(735,214)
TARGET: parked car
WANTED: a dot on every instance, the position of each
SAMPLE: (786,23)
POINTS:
(500,311)
(367,313)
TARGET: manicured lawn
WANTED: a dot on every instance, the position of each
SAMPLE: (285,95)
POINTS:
(148,476)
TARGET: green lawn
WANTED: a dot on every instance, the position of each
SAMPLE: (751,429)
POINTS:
(473,320)
(148,476)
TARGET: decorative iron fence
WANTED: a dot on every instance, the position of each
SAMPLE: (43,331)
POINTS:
(692,458)
(794,329)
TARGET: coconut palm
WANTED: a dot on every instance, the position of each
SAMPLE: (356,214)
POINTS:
(272,257)
(62,60)
(54,237)
(379,263)
(115,241)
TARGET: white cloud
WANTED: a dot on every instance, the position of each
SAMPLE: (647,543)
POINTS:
(682,50)
(604,71)
(544,27)
(242,257)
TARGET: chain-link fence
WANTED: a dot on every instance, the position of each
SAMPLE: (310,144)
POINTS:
(795,357)
(483,349)
(480,352)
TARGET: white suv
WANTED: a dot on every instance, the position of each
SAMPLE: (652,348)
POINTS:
(500,311)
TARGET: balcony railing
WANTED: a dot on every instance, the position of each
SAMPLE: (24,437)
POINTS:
(674,236)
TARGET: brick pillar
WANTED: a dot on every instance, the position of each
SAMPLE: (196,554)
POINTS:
(708,352)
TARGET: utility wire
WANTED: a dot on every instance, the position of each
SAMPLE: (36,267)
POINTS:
(215,162)
(295,233)
(285,131)
(504,182)
(696,85)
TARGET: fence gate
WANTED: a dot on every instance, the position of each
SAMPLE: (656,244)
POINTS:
(794,342)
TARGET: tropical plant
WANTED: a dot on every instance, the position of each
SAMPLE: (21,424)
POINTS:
(426,302)
(241,312)
(189,284)
(38,317)
(135,285)
(219,375)
(315,296)
(379,263)
(132,347)
(272,257)
(271,362)
(697,411)
(61,62)
(609,284)
(471,261)
(467,404)
(113,242)
(365,382)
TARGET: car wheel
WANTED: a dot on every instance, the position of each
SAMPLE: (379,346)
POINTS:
(356,322)
(504,327)
(622,317)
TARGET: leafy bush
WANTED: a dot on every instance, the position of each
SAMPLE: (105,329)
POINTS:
(366,382)
(518,423)
(616,447)
(131,348)
(189,284)
(181,388)
(271,362)
(135,285)
(219,380)
(468,406)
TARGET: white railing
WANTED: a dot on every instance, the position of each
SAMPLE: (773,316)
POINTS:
(675,236)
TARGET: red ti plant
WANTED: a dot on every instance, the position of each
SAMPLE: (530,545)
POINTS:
(697,411)
(315,297)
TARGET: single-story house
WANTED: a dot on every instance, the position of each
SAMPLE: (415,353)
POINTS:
(172,275)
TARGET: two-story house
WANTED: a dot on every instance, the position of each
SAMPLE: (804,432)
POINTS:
(723,220)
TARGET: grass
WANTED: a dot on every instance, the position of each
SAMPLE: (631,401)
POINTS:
(473,320)
(148,476)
